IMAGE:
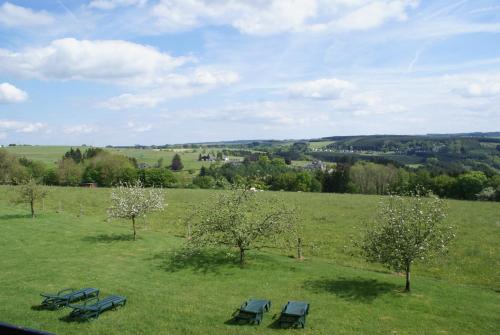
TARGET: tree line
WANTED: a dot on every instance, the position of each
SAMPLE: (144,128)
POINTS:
(359,177)
(93,166)
(261,171)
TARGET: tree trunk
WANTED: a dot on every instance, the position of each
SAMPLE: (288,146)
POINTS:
(407,287)
(133,226)
(299,249)
(32,204)
(242,256)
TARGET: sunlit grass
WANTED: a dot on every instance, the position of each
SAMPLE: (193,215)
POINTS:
(78,247)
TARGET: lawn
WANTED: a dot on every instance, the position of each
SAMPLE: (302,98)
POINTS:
(71,244)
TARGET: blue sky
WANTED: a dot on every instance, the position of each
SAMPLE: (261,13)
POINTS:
(125,72)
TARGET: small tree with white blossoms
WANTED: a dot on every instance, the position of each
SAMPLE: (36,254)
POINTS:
(406,230)
(243,220)
(130,201)
(30,192)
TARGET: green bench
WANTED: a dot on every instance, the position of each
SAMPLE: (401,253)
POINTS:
(66,296)
(252,311)
(294,314)
(92,308)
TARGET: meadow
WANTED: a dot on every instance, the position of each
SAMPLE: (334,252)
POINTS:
(72,244)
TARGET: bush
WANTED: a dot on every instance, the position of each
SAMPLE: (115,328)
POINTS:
(204,181)
(470,184)
(50,177)
(69,173)
(488,194)
(11,171)
(108,169)
(159,177)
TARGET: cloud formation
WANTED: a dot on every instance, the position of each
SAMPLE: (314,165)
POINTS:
(17,16)
(21,127)
(112,4)
(480,89)
(170,87)
(158,74)
(11,94)
(278,16)
(325,88)
(80,129)
(114,61)
(343,95)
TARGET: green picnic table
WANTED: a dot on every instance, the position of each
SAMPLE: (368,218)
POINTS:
(294,314)
(92,308)
(66,296)
(252,311)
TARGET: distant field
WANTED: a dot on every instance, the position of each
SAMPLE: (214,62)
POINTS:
(457,294)
(320,144)
(50,155)
(47,154)
(300,163)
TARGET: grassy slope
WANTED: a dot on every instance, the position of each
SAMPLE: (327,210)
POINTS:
(457,295)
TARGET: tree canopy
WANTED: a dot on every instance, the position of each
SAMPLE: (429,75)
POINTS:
(407,230)
(242,219)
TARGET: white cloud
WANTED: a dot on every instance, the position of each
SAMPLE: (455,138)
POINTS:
(214,77)
(17,16)
(102,60)
(261,114)
(81,129)
(329,88)
(278,16)
(112,4)
(137,128)
(118,62)
(129,100)
(375,13)
(170,87)
(21,127)
(484,89)
(343,96)
(11,94)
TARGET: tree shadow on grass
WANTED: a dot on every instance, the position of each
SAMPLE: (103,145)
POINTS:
(203,261)
(14,216)
(353,289)
(108,238)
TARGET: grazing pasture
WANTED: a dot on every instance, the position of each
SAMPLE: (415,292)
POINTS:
(72,244)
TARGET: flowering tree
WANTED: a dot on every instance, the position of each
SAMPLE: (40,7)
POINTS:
(242,219)
(30,192)
(406,230)
(129,201)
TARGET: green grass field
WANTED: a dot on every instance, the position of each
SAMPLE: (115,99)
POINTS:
(78,247)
